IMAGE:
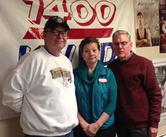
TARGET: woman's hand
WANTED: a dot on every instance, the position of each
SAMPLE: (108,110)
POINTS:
(92,129)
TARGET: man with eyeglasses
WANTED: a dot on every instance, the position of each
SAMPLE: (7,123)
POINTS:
(139,96)
(42,89)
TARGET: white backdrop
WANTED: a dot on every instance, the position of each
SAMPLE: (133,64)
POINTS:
(22,22)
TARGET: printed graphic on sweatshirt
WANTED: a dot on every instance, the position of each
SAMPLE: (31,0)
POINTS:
(62,75)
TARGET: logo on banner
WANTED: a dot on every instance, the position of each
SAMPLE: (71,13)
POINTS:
(86,20)
(81,13)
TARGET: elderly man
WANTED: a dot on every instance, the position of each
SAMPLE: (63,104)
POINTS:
(42,87)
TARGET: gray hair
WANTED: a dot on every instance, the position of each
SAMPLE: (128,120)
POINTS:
(119,32)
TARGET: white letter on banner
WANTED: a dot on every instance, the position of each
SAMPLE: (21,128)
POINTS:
(82,12)
(34,10)
(106,12)
(55,8)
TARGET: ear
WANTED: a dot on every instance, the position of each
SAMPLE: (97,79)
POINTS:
(44,34)
(131,44)
(99,54)
(113,48)
(82,56)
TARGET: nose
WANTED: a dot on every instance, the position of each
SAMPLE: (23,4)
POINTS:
(90,52)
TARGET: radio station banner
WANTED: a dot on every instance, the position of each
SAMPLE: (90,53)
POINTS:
(22,22)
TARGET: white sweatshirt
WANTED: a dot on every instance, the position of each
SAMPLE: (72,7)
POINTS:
(42,89)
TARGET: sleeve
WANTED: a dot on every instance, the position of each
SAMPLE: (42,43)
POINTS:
(154,95)
(13,91)
(15,86)
(112,95)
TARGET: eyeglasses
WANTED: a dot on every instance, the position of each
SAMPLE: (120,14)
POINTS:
(56,33)
(123,43)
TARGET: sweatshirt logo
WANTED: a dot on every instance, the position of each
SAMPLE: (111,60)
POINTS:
(61,73)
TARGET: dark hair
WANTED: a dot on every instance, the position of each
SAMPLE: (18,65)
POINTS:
(88,40)
(139,13)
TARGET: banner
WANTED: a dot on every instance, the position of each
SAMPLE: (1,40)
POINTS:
(22,22)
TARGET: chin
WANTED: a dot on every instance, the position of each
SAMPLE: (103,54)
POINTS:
(61,45)
(121,55)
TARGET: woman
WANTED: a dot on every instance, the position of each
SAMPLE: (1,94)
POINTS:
(96,93)
(163,36)
(143,35)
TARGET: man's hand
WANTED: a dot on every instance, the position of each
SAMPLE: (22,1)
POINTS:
(153,132)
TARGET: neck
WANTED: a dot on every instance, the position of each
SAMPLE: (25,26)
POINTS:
(53,52)
(91,67)
(126,58)
(141,27)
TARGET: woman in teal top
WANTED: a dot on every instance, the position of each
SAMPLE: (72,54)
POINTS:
(96,93)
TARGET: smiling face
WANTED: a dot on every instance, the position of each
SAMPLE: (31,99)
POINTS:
(55,40)
(91,53)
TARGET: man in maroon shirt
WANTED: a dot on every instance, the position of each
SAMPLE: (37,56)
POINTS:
(139,96)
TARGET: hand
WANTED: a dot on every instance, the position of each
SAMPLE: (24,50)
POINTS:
(85,126)
(153,132)
(92,129)
(145,40)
